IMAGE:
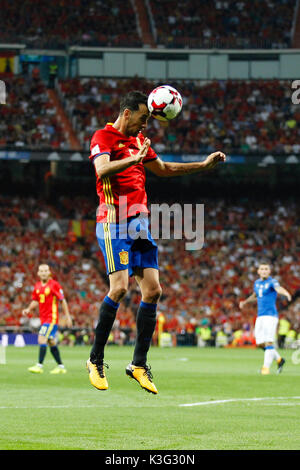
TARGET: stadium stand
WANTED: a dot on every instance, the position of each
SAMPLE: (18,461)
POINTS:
(223,24)
(57,25)
(227,105)
(210,24)
(32,119)
(29,118)
(198,286)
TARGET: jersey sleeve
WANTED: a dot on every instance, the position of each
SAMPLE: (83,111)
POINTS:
(275,283)
(34,295)
(57,290)
(100,144)
(151,155)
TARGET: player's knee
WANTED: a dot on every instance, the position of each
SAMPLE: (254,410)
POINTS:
(153,294)
(117,293)
(42,340)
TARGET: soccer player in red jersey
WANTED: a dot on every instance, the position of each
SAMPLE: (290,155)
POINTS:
(119,153)
(46,295)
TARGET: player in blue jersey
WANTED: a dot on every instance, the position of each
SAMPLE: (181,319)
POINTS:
(265,293)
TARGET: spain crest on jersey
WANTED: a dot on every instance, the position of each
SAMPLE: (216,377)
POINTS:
(47,291)
(124,258)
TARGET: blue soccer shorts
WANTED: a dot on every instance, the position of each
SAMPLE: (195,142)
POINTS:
(127,245)
(48,330)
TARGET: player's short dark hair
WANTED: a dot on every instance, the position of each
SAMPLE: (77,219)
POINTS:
(132,100)
(264,263)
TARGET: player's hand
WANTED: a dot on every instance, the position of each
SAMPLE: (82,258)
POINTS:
(241,304)
(289,297)
(143,151)
(25,312)
(213,159)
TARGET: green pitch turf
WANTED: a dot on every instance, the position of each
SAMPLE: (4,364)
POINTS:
(234,408)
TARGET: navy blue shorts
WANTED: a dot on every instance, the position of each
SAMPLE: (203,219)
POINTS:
(48,330)
(127,245)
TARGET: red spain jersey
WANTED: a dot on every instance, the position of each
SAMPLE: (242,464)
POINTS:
(48,296)
(121,195)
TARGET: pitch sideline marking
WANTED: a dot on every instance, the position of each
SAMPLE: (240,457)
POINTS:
(232,400)
(202,403)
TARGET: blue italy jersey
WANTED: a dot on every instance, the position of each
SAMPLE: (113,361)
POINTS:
(266,296)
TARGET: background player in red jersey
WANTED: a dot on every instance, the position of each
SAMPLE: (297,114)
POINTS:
(119,153)
(46,295)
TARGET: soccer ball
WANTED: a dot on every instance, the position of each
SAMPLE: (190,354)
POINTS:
(164,103)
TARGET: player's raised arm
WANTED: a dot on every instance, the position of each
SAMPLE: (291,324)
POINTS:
(32,306)
(282,291)
(104,167)
(251,298)
(168,169)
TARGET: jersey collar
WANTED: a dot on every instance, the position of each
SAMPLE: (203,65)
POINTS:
(264,280)
(109,126)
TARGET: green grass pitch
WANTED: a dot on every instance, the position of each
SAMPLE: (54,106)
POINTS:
(234,408)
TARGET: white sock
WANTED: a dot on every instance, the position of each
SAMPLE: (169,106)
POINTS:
(276,355)
(269,356)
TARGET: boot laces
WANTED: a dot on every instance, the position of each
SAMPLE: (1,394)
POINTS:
(100,368)
(148,372)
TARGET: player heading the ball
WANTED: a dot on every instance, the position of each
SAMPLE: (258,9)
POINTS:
(120,152)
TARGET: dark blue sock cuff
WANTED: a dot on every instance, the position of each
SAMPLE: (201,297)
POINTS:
(43,345)
(111,302)
(149,306)
(269,347)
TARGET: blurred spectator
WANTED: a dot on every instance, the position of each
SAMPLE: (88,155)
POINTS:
(223,24)
(206,24)
(283,329)
(28,119)
(242,117)
(246,117)
(69,22)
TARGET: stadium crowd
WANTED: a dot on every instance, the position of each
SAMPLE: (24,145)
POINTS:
(246,117)
(201,289)
(241,117)
(113,23)
(110,23)
(29,118)
(223,24)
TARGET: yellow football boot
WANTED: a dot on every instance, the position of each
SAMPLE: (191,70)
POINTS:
(36,369)
(58,370)
(265,370)
(97,375)
(280,364)
(143,376)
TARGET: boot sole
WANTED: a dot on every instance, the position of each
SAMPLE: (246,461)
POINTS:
(130,375)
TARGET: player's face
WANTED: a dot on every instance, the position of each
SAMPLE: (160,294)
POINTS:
(264,271)
(137,120)
(44,272)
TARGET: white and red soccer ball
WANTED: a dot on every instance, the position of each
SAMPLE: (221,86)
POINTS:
(164,103)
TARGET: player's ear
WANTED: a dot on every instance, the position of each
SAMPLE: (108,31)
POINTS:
(126,113)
